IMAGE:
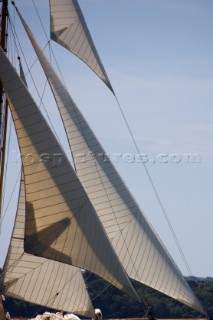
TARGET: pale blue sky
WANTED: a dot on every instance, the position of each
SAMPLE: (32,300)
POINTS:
(159,57)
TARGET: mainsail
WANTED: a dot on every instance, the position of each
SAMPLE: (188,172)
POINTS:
(68,28)
(61,224)
(38,280)
(139,249)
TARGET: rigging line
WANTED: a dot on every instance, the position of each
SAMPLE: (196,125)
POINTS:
(44,90)
(56,62)
(102,291)
(52,51)
(6,167)
(106,287)
(109,285)
(14,35)
(35,61)
(14,51)
(155,190)
(40,19)
(11,267)
(3,151)
(18,177)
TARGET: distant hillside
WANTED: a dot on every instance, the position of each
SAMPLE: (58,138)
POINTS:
(114,304)
(210,279)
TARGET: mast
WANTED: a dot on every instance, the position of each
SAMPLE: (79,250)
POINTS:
(3,117)
(3,102)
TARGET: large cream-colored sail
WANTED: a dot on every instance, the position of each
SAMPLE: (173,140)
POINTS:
(69,28)
(61,224)
(141,252)
(38,280)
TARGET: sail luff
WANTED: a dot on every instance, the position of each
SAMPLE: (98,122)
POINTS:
(141,252)
(38,280)
(61,223)
(69,29)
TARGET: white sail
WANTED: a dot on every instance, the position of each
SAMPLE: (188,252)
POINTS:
(69,28)
(38,280)
(61,223)
(141,252)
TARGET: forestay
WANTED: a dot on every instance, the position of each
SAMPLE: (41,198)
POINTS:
(141,252)
(38,280)
(68,28)
(61,223)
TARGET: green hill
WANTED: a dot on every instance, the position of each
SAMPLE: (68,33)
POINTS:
(117,305)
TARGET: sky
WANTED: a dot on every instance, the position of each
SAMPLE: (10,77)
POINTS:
(158,55)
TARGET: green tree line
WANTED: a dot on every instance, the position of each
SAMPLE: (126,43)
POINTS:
(114,304)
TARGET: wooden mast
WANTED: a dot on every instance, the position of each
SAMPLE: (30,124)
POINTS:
(3,118)
(3,102)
